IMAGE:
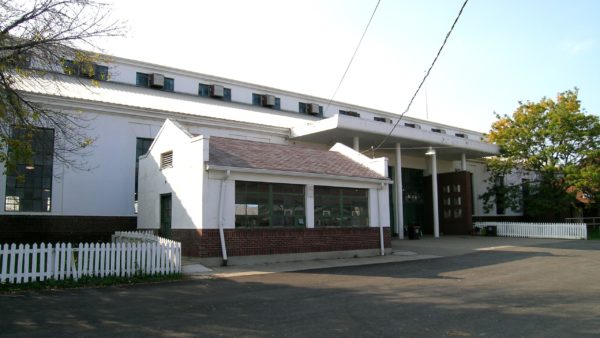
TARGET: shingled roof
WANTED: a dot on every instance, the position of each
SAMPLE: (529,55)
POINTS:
(236,153)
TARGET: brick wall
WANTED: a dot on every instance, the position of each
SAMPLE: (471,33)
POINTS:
(52,229)
(244,242)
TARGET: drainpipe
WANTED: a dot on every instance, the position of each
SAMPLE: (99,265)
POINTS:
(381,241)
(221,219)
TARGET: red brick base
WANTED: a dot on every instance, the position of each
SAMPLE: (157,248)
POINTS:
(51,229)
(245,242)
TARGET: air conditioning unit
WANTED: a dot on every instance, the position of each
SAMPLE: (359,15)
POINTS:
(216,91)
(313,108)
(268,100)
(157,80)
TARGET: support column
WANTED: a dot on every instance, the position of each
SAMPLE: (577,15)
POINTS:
(310,206)
(399,194)
(434,193)
(463,162)
(355,143)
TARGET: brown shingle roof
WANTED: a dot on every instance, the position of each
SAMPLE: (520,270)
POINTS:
(236,153)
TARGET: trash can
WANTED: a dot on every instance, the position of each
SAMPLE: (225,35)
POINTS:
(414,232)
(491,230)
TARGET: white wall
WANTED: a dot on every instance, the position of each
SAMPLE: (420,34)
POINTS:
(106,187)
(184,180)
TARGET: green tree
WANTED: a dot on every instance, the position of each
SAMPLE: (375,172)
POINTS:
(554,140)
(37,37)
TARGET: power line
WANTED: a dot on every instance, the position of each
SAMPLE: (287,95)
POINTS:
(353,55)
(422,81)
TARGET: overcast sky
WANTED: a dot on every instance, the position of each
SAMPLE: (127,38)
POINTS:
(501,51)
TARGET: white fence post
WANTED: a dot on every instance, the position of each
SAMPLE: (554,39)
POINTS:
(129,254)
(538,230)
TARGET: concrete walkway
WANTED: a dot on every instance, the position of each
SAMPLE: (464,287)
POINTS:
(402,250)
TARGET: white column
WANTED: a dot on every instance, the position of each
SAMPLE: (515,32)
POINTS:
(355,143)
(434,193)
(399,195)
(463,162)
(309,208)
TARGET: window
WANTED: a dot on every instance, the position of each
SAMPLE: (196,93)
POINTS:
(412,125)
(349,113)
(499,192)
(341,206)
(144,80)
(259,204)
(382,119)
(85,69)
(166,160)
(310,108)
(29,187)
(205,90)
(438,130)
(266,101)
(461,135)
(141,147)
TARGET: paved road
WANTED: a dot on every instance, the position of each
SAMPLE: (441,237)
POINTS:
(549,290)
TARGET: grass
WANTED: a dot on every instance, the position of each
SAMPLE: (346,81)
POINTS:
(594,233)
(87,281)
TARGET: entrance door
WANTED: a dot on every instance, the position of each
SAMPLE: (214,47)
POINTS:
(165,215)
(413,186)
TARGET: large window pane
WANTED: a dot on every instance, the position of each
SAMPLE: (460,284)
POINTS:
(341,206)
(141,147)
(259,204)
(29,186)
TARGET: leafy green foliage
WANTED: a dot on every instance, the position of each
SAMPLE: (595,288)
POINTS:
(36,37)
(555,140)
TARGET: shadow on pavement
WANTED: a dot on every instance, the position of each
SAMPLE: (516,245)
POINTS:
(417,269)
(333,302)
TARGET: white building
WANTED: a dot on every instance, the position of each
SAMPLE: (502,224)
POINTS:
(129,109)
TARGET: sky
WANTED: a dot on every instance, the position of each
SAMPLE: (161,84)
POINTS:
(500,52)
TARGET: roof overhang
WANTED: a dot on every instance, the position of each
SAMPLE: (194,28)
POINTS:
(341,128)
(210,167)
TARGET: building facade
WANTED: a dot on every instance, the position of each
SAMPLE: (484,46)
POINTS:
(432,176)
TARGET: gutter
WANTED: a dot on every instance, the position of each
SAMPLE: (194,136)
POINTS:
(381,240)
(221,219)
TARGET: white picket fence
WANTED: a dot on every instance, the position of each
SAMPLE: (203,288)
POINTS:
(139,236)
(538,230)
(29,263)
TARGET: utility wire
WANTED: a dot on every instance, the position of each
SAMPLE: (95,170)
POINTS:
(422,81)
(353,55)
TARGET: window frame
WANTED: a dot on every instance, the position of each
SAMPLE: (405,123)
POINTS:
(143,80)
(273,205)
(29,187)
(331,206)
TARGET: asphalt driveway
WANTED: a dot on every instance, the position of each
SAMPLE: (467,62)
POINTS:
(535,289)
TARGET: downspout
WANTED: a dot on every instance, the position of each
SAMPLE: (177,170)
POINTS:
(381,241)
(221,219)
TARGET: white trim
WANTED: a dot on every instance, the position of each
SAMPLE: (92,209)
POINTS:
(297,174)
